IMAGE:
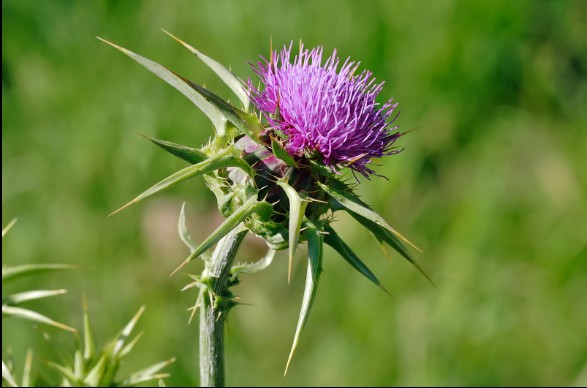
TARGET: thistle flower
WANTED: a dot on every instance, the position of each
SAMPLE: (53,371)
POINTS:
(274,171)
(323,111)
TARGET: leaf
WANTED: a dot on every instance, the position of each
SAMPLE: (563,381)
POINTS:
(225,75)
(92,379)
(18,312)
(246,122)
(6,375)
(204,167)
(89,346)
(190,155)
(345,251)
(78,363)
(297,208)
(179,83)
(281,153)
(66,373)
(315,255)
(21,297)
(383,234)
(321,169)
(125,333)
(230,223)
(131,345)
(8,227)
(27,372)
(149,373)
(11,273)
(259,265)
(183,232)
(352,203)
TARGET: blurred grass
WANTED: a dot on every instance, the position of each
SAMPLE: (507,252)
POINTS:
(492,185)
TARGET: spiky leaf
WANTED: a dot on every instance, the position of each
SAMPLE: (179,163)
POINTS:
(297,208)
(281,153)
(248,208)
(149,373)
(183,231)
(89,350)
(125,333)
(18,312)
(204,167)
(248,123)
(352,203)
(21,297)
(334,240)
(190,155)
(257,266)
(218,119)
(315,254)
(12,273)
(383,234)
(225,75)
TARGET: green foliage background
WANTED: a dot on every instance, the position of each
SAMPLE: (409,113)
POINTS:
(492,186)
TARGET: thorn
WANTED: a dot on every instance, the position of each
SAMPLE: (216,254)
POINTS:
(180,266)
(8,227)
(288,362)
(123,207)
(411,130)
(184,44)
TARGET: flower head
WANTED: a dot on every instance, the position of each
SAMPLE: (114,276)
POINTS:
(324,110)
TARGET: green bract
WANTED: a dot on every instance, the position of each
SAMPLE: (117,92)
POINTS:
(260,187)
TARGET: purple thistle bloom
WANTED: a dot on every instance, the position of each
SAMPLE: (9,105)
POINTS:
(323,110)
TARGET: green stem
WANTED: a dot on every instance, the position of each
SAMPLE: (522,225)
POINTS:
(215,306)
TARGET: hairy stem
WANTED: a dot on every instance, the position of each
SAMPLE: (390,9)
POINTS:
(215,306)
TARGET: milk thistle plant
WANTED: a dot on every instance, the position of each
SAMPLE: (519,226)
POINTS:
(87,366)
(276,166)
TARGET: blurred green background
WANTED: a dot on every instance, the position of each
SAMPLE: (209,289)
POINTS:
(492,186)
